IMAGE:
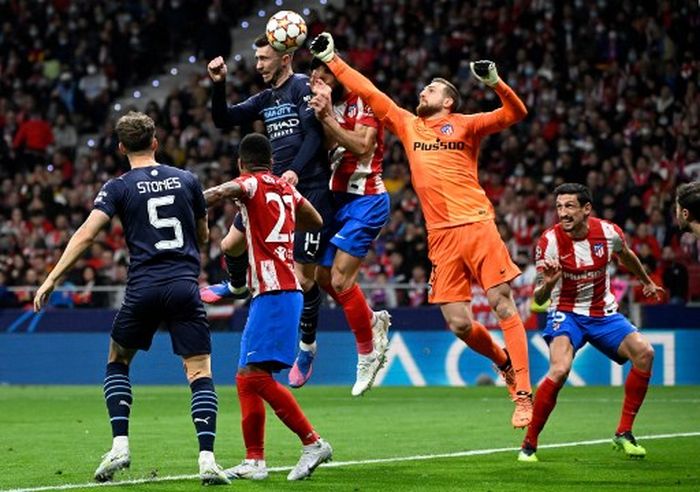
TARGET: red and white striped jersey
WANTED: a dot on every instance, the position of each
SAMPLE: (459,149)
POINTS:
(584,287)
(268,207)
(350,174)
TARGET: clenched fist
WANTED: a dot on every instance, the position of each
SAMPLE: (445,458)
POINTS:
(217,69)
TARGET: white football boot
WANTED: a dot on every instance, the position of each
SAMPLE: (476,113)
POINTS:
(312,455)
(248,470)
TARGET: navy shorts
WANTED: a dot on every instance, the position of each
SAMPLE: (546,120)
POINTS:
(271,331)
(309,246)
(358,221)
(605,333)
(176,306)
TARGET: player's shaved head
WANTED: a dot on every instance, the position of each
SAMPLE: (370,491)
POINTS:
(255,152)
(136,131)
(450,91)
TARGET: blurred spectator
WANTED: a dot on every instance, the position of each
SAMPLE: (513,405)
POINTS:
(675,277)
(612,89)
(214,37)
(65,134)
(33,138)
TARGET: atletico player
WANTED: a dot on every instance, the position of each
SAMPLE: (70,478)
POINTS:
(572,263)
(271,208)
(356,141)
(463,242)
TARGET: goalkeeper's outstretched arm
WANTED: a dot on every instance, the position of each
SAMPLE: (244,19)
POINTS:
(383,106)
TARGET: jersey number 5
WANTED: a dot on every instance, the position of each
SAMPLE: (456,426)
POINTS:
(276,235)
(165,222)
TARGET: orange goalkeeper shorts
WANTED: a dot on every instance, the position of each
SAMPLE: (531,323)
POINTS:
(465,252)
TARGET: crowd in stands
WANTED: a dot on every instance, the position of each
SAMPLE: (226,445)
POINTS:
(612,89)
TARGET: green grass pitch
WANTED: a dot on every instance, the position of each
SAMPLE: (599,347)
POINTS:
(52,437)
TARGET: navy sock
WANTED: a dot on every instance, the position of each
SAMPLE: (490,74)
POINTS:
(205,406)
(237,267)
(309,315)
(117,390)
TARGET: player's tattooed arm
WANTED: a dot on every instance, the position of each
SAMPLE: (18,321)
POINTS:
(547,277)
(230,190)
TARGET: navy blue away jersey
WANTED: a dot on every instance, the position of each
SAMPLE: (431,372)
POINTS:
(295,134)
(158,207)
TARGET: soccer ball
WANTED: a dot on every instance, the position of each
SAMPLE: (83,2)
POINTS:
(286,31)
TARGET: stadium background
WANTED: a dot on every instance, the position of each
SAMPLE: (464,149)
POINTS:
(612,89)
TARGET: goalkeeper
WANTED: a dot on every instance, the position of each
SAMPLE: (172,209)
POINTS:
(442,147)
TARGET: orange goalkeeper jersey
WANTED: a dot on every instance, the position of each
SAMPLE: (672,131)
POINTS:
(442,152)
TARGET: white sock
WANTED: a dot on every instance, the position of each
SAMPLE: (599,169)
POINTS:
(120,442)
(372,355)
(205,456)
(306,347)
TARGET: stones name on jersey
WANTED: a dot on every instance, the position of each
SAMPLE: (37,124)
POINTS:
(171,183)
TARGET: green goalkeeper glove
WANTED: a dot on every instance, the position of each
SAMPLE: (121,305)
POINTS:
(485,71)
(323,47)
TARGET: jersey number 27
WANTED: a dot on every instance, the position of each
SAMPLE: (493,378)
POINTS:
(276,235)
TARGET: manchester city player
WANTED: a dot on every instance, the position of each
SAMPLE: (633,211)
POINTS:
(299,157)
(163,212)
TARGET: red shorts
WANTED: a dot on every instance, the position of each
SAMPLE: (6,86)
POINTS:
(465,252)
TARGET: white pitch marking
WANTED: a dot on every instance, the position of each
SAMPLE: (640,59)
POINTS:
(337,464)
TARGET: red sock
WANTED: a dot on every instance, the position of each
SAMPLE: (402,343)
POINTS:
(359,317)
(636,387)
(516,343)
(331,292)
(252,416)
(286,407)
(480,341)
(545,400)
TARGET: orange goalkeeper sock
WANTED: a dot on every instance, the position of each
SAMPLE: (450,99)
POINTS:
(516,343)
(480,341)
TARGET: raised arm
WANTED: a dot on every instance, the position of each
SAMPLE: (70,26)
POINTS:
(313,135)
(360,141)
(226,116)
(384,108)
(231,190)
(512,111)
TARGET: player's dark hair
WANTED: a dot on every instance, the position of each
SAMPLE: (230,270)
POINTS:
(316,63)
(255,152)
(451,91)
(261,41)
(135,131)
(688,197)
(583,194)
